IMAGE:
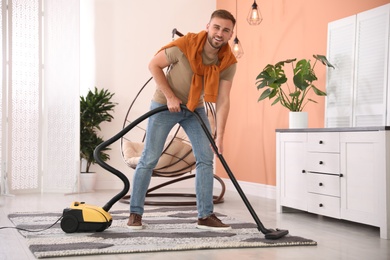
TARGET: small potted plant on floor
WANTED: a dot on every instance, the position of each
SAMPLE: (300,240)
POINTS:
(272,78)
(95,108)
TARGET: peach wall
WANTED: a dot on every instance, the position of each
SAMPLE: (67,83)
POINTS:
(290,29)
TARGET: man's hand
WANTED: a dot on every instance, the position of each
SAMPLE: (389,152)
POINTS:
(156,66)
(173,104)
(219,144)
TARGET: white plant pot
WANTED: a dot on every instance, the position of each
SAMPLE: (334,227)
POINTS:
(87,181)
(298,119)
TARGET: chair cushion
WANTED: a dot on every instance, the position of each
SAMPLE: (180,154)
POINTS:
(132,152)
(177,157)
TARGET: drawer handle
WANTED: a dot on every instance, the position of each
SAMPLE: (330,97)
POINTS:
(321,205)
(321,162)
(320,184)
(320,142)
(303,171)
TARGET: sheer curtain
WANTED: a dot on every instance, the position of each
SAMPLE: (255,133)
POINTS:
(40,95)
(3,179)
(61,97)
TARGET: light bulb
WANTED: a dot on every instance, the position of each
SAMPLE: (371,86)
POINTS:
(254,15)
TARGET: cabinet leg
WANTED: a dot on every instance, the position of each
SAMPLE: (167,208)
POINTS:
(384,232)
(283,209)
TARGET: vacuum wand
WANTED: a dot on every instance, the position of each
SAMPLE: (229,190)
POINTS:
(269,233)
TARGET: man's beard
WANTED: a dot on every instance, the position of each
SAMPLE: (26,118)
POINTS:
(210,40)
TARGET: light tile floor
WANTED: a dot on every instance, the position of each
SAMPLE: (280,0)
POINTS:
(336,239)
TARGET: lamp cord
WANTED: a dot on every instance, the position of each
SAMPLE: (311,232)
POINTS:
(236,20)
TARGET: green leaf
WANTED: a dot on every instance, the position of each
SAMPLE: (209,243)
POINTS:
(295,94)
(281,63)
(323,60)
(273,93)
(275,101)
(264,79)
(317,91)
(264,95)
(303,74)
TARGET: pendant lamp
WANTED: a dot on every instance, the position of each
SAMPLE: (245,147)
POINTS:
(254,15)
(236,47)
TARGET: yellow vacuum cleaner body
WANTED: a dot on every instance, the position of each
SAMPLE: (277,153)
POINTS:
(81,217)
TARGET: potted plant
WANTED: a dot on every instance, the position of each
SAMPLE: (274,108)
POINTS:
(272,78)
(95,108)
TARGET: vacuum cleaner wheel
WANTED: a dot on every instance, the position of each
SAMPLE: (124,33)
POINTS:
(69,224)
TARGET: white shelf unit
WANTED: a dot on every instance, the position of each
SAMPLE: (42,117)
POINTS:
(357,88)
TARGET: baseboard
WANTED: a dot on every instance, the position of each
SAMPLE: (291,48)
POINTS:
(251,188)
(109,185)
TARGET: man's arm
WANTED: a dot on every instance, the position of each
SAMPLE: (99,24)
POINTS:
(222,111)
(156,66)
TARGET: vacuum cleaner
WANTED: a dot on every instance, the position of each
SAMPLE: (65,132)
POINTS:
(81,217)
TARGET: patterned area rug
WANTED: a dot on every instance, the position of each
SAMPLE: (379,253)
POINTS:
(167,229)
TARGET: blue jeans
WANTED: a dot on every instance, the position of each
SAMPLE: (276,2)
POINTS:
(159,126)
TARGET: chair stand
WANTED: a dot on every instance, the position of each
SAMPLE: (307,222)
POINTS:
(216,199)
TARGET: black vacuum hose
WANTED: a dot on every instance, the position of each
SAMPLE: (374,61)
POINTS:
(269,233)
(116,172)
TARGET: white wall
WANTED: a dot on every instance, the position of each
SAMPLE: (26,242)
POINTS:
(126,34)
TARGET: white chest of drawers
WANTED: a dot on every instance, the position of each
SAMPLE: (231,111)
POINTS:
(339,173)
(323,173)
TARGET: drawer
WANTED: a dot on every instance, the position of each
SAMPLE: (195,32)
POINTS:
(323,184)
(323,162)
(324,205)
(323,142)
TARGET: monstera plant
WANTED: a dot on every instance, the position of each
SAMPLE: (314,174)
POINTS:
(273,78)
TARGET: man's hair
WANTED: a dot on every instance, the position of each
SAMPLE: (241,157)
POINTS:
(224,15)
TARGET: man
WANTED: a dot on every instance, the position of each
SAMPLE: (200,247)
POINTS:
(202,69)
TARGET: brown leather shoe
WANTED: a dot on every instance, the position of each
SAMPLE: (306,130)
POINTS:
(135,221)
(212,223)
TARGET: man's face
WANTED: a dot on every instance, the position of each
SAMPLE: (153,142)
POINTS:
(220,31)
